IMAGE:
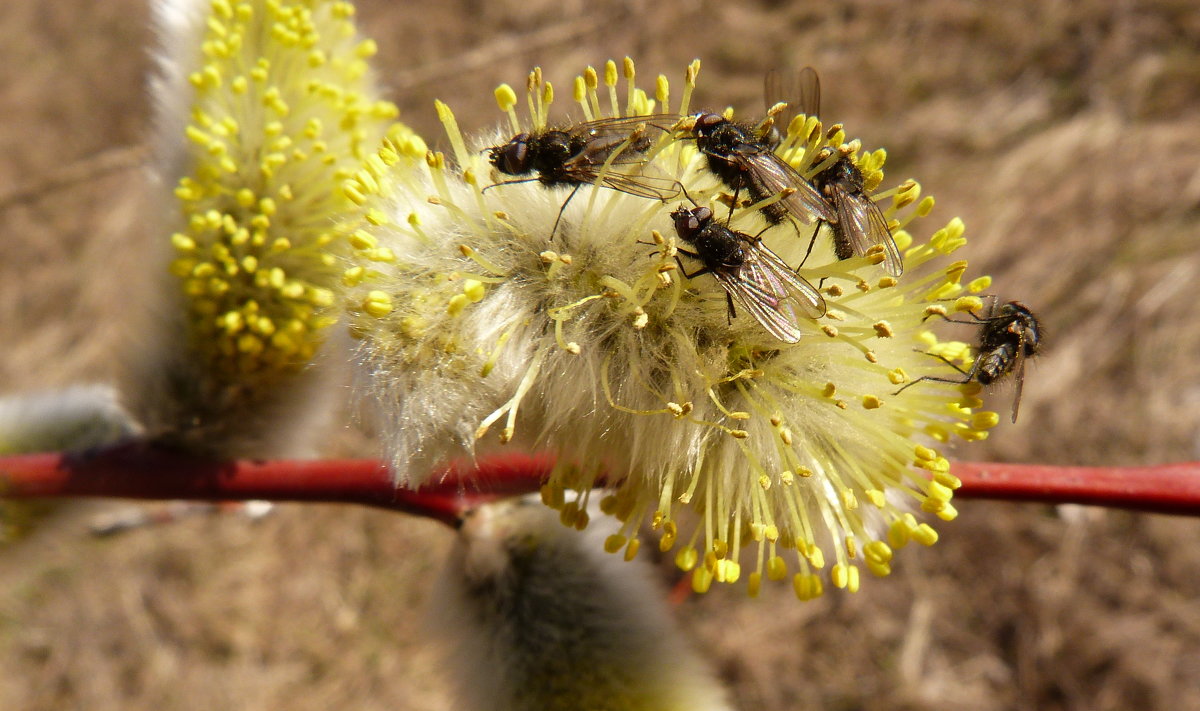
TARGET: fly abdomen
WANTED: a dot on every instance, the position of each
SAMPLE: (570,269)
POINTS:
(995,363)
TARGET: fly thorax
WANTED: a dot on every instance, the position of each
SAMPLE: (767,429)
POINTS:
(551,151)
(719,247)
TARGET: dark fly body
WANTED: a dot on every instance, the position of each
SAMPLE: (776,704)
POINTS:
(577,155)
(750,273)
(1009,335)
(861,224)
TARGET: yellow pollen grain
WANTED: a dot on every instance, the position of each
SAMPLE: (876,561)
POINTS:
(871,402)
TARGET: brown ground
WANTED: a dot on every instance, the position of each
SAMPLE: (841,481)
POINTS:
(1065,134)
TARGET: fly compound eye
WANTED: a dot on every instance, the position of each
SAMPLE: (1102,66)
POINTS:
(685,222)
(514,156)
(702,215)
(708,122)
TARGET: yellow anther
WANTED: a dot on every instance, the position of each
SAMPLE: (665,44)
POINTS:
(776,568)
(807,586)
(182,242)
(924,534)
(945,478)
(377,304)
(687,558)
(984,420)
(457,304)
(979,284)
(473,290)
(610,73)
(754,584)
(947,512)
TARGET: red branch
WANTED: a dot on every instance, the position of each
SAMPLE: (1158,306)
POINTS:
(147,473)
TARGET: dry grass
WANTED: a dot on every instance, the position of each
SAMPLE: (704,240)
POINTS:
(1063,133)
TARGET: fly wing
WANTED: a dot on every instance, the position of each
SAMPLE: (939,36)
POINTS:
(603,136)
(772,293)
(864,226)
(800,90)
(645,186)
(766,267)
(1018,378)
(775,175)
(766,308)
(623,124)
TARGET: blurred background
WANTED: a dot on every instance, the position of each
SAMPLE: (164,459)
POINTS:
(1065,134)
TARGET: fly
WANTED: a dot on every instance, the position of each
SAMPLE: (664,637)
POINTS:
(750,273)
(744,158)
(587,153)
(1008,335)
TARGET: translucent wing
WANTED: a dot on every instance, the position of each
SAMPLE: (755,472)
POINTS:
(768,267)
(800,90)
(774,174)
(1019,379)
(625,124)
(604,136)
(611,132)
(863,225)
(645,186)
(767,288)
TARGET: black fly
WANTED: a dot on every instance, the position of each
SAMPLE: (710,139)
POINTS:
(744,158)
(587,153)
(860,224)
(1008,335)
(755,276)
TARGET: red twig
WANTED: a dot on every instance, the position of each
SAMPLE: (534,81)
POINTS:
(138,472)
(1166,488)
(147,473)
